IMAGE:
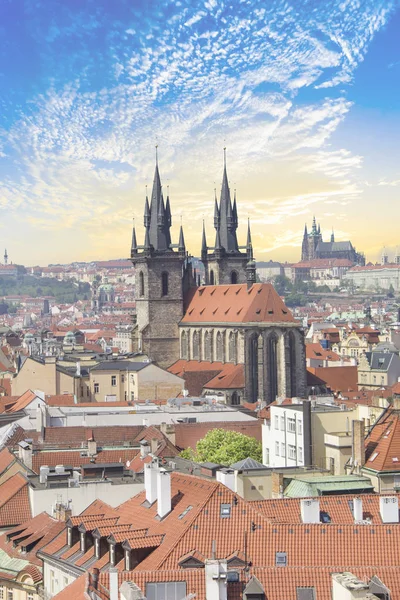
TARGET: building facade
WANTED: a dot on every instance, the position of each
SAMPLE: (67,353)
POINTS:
(314,247)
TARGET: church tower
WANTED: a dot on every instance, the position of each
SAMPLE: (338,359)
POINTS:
(225,263)
(163,276)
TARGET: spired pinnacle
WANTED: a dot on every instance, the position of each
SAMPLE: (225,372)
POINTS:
(181,245)
(134,242)
(204,241)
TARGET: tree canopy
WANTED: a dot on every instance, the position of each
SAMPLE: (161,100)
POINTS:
(224,447)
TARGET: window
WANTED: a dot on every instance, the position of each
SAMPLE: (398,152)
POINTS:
(234,277)
(276,422)
(96,388)
(276,448)
(10,594)
(305,593)
(291,425)
(30,596)
(1,592)
(132,396)
(299,427)
(292,452)
(173,590)
(382,379)
(267,456)
(374,378)
(280,559)
(141,284)
(164,284)
(66,581)
(300,454)
(283,450)
(282,423)
(225,511)
(113,380)
(212,279)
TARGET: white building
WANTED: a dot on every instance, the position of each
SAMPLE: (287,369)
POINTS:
(286,437)
(374,277)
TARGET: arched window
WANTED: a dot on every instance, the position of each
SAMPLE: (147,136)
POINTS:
(196,346)
(164,284)
(292,361)
(141,284)
(212,280)
(232,347)
(184,345)
(273,367)
(208,346)
(234,277)
(220,347)
(235,399)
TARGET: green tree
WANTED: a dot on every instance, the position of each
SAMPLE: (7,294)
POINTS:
(224,447)
(282,284)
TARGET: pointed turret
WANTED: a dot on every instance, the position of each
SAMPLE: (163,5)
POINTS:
(146,213)
(251,269)
(204,243)
(168,216)
(249,246)
(181,245)
(332,236)
(161,213)
(234,211)
(147,243)
(319,229)
(314,226)
(216,212)
(134,242)
(159,224)
(218,245)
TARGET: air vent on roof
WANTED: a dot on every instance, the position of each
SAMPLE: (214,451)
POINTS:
(214,311)
(226,291)
(258,311)
(227,310)
(212,291)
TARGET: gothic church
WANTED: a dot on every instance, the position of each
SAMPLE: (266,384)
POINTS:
(226,322)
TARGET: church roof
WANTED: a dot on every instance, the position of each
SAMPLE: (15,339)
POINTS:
(236,304)
(334,246)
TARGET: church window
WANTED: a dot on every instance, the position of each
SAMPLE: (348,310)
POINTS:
(235,399)
(141,284)
(292,362)
(220,347)
(208,346)
(184,345)
(212,279)
(232,347)
(164,284)
(234,277)
(273,367)
(196,346)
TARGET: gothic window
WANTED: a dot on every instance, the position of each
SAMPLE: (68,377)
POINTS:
(253,365)
(184,345)
(273,367)
(208,346)
(196,346)
(232,347)
(292,361)
(164,284)
(235,399)
(141,284)
(234,277)
(220,347)
(212,280)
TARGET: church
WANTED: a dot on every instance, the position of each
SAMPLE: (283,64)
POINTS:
(314,247)
(232,330)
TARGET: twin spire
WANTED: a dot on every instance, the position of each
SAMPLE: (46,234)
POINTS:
(157,221)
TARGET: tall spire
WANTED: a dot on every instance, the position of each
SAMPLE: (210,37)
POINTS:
(314,225)
(146,212)
(227,225)
(332,236)
(216,212)
(249,245)
(234,212)
(158,219)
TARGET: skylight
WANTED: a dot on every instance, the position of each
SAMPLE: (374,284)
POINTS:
(373,457)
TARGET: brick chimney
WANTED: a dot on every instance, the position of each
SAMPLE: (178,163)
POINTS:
(358,449)
(277,485)
(168,429)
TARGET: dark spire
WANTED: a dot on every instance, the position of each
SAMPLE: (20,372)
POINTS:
(181,245)
(158,227)
(251,269)
(134,242)
(168,216)
(249,245)
(147,212)
(216,212)
(218,241)
(332,236)
(227,222)
(147,243)
(234,212)
(204,242)
(305,230)
(319,229)
(314,226)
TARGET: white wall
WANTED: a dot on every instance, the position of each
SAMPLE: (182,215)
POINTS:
(278,439)
(44,499)
(55,579)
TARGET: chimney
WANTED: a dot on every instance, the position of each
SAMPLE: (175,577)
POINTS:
(113,583)
(346,586)
(41,421)
(150,481)
(163,493)
(168,429)
(277,485)
(389,509)
(78,368)
(25,454)
(216,576)
(92,447)
(43,472)
(154,445)
(357,510)
(358,443)
(130,591)
(144,448)
(309,508)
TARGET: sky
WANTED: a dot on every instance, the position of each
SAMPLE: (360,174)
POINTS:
(304,95)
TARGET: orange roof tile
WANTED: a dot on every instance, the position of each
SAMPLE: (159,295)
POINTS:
(383,443)
(7,458)
(14,501)
(74,458)
(338,379)
(236,304)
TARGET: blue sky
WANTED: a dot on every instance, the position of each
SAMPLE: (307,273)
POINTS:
(304,94)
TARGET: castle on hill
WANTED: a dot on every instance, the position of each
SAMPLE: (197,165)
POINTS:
(314,247)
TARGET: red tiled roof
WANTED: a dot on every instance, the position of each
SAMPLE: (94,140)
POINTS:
(6,459)
(22,402)
(236,304)
(338,379)
(73,458)
(14,501)
(383,443)
(205,374)
(318,352)
(72,437)
(60,400)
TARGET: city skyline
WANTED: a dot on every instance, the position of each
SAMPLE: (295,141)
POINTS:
(302,97)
